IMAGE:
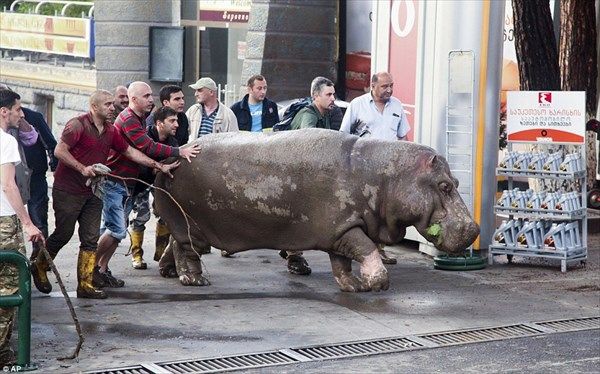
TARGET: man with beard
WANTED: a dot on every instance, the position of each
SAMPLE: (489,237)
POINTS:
(14,220)
(121,100)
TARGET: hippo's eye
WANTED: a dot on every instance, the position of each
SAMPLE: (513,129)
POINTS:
(446,187)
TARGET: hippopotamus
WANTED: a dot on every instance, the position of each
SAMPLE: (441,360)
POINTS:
(315,189)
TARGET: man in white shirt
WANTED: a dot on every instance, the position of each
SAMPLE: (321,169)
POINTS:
(378,115)
(13,215)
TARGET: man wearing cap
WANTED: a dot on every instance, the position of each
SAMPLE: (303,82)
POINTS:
(209,115)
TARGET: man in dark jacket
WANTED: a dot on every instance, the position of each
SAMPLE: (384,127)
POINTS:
(255,112)
(39,156)
(172,96)
(163,130)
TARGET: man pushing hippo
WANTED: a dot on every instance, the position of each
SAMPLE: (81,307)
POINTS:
(316,189)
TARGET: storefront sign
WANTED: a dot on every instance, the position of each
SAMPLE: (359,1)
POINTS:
(404,32)
(224,11)
(546,116)
(47,34)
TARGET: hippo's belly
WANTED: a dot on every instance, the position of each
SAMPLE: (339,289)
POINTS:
(245,196)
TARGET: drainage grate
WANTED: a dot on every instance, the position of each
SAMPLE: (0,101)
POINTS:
(564,325)
(214,365)
(359,348)
(325,352)
(137,369)
(481,335)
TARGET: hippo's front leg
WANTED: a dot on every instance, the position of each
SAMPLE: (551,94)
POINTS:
(357,246)
(342,272)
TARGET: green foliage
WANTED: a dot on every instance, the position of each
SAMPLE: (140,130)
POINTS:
(502,141)
(434,230)
(48,9)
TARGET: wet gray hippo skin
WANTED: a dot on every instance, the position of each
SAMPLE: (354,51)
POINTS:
(316,189)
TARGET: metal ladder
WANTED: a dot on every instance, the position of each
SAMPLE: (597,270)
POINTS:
(459,121)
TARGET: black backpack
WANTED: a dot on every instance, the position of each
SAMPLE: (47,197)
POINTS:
(289,114)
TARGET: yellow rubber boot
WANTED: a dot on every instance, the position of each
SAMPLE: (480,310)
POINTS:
(39,269)
(162,240)
(137,261)
(85,270)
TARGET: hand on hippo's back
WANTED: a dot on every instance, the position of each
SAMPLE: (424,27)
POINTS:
(189,152)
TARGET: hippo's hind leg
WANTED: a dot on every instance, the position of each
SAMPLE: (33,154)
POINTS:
(355,244)
(342,272)
(189,265)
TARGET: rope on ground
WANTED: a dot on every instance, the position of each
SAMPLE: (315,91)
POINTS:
(75,354)
(183,212)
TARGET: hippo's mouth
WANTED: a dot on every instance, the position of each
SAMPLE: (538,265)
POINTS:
(450,239)
(434,233)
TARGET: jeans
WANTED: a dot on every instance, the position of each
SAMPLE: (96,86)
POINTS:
(117,205)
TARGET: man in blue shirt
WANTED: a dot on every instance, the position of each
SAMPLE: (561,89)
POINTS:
(255,112)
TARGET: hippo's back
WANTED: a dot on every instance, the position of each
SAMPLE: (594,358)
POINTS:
(247,190)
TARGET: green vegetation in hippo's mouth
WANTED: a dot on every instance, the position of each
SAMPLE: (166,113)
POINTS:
(435,231)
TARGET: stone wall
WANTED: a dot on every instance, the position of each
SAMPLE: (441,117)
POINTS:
(65,89)
(122,42)
(290,43)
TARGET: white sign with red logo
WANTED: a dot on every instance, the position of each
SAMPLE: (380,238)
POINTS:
(546,116)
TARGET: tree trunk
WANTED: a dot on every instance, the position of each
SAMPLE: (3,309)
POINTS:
(578,61)
(535,45)
(577,55)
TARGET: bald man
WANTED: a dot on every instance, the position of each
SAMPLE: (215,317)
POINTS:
(121,100)
(85,141)
(118,199)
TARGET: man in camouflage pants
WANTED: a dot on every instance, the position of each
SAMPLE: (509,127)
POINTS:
(13,216)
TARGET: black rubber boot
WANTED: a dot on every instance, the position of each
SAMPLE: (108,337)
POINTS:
(298,265)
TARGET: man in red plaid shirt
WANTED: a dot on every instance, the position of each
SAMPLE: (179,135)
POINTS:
(117,201)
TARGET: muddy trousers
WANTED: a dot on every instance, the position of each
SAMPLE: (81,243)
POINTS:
(167,260)
(11,238)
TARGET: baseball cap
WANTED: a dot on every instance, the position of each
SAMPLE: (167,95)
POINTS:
(204,83)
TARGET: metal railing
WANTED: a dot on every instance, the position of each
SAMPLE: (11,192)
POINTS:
(22,300)
(66,5)
(228,93)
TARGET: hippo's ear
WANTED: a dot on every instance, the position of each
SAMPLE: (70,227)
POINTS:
(427,161)
(433,159)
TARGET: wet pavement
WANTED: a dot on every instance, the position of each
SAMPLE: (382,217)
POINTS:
(255,305)
(575,352)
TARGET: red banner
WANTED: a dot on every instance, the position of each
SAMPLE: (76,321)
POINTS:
(404,30)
